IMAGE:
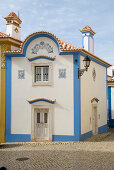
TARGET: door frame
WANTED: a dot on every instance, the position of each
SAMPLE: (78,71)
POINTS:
(50,108)
(96,128)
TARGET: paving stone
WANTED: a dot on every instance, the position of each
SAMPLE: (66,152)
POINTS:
(95,153)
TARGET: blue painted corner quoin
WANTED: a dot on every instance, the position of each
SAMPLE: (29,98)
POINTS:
(77,111)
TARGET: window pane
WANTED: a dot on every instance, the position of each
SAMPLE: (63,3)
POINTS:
(38,117)
(37,74)
(45,73)
(45,117)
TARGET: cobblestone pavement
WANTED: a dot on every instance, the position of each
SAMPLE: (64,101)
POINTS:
(96,153)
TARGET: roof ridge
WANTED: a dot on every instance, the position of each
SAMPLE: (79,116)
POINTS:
(64,47)
(87,28)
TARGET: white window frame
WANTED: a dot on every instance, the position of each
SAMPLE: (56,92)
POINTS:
(42,83)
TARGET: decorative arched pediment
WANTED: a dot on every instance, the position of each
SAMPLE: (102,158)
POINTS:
(42,44)
(41,99)
(94,100)
(41,57)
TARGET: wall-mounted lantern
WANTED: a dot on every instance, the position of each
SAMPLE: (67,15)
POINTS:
(86,62)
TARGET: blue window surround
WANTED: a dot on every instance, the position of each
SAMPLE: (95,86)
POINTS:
(77,109)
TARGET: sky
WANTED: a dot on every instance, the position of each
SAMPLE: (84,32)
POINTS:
(65,19)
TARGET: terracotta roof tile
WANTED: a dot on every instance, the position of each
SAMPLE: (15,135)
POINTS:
(94,99)
(64,47)
(3,35)
(111,80)
(87,28)
(13,16)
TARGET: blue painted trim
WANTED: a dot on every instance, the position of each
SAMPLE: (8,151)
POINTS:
(93,45)
(87,36)
(41,57)
(82,41)
(14,55)
(8,97)
(37,36)
(93,59)
(103,129)
(89,43)
(18,138)
(77,98)
(106,88)
(109,103)
(111,121)
(84,32)
(39,100)
(8,136)
(77,105)
(63,138)
(86,135)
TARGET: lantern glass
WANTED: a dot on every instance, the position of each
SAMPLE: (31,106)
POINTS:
(86,62)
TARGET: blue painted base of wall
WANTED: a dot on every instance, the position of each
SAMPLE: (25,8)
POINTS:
(85,135)
(55,138)
(64,138)
(111,123)
(103,129)
(18,138)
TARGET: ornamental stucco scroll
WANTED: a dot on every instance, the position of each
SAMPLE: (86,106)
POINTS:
(42,45)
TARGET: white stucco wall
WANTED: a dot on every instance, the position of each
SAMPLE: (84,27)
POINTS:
(109,70)
(10,30)
(112,102)
(89,90)
(61,90)
(91,45)
(14,48)
(85,43)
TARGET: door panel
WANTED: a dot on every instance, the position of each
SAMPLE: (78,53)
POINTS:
(42,124)
(94,121)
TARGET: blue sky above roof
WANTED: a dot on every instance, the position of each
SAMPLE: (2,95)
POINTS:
(65,18)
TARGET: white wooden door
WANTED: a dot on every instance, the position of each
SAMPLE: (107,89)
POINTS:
(42,124)
(94,121)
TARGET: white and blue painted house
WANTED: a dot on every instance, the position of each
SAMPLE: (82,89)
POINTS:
(46,98)
(111,97)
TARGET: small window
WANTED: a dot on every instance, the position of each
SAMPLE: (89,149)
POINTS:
(41,73)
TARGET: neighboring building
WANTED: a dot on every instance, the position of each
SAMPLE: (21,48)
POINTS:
(111,97)
(9,41)
(47,98)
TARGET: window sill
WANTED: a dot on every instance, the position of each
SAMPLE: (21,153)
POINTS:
(42,84)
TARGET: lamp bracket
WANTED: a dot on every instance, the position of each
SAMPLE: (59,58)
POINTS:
(81,72)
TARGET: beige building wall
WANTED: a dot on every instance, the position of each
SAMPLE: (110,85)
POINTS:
(91,88)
